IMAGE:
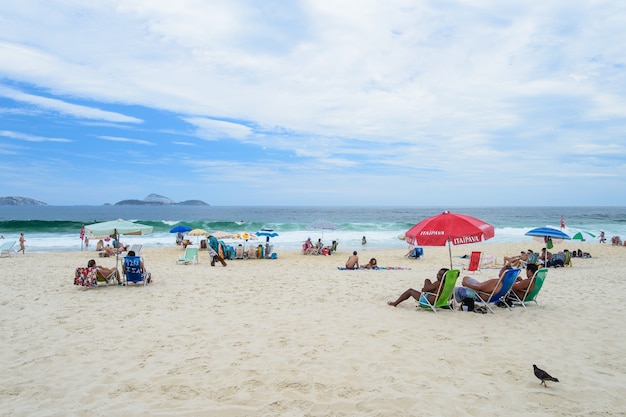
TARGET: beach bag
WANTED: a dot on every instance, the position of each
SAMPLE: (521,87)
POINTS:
(469,302)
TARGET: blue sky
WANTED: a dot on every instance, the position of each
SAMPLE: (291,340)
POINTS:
(360,102)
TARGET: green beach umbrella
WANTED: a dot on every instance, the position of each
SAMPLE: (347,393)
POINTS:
(583,236)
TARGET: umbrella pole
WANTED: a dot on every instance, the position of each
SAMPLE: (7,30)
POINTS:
(450,253)
(117,255)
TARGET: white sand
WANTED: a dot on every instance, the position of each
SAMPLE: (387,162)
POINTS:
(295,336)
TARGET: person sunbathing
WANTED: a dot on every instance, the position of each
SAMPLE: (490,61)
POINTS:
(107,251)
(515,261)
(429,286)
(105,273)
(491,286)
(372,264)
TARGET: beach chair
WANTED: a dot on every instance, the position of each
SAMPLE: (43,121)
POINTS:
(132,271)
(89,277)
(487,261)
(190,255)
(85,277)
(239,251)
(507,280)
(445,291)
(416,253)
(474,262)
(533,259)
(533,289)
(568,259)
(109,279)
(6,249)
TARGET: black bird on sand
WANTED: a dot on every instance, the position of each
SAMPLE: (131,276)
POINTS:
(543,376)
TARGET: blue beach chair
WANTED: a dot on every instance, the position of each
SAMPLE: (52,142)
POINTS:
(508,279)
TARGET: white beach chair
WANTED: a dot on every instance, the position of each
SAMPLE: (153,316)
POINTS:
(6,249)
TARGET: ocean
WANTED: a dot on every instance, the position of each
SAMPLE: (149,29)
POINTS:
(56,228)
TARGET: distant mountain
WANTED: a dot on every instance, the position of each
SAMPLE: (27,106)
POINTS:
(156,198)
(159,200)
(20,201)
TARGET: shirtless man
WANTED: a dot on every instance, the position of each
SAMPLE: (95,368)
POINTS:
(429,286)
(487,287)
(353,261)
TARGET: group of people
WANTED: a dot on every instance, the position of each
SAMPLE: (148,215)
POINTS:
(106,274)
(470,286)
(108,250)
(617,241)
(353,262)
(308,248)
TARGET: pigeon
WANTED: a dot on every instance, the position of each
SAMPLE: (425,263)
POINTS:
(543,376)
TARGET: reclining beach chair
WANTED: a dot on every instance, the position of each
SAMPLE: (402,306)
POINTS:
(445,291)
(416,253)
(109,279)
(474,262)
(85,277)
(507,280)
(132,271)
(190,255)
(6,249)
(533,259)
(89,277)
(533,289)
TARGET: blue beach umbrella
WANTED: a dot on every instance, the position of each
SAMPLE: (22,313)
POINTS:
(268,233)
(548,235)
(547,232)
(181,228)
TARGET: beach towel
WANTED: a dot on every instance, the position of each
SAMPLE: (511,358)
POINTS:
(382,268)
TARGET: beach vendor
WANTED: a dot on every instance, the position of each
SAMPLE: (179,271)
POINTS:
(214,247)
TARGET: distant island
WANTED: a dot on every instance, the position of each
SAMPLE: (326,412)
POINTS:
(20,201)
(159,200)
(151,200)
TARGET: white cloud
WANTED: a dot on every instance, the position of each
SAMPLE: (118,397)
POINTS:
(486,90)
(217,129)
(31,138)
(63,107)
(127,140)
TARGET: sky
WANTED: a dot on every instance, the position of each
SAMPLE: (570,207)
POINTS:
(321,102)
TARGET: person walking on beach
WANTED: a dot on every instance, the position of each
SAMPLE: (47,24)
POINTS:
(353,261)
(22,246)
(363,241)
(429,286)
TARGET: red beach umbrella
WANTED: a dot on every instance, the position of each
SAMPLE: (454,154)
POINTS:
(450,228)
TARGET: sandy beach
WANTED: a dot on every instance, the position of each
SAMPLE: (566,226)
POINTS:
(296,336)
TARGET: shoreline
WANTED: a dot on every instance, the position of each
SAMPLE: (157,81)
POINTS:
(296,335)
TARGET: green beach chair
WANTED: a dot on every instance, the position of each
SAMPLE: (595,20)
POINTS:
(188,257)
(538,280)
(445,291)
